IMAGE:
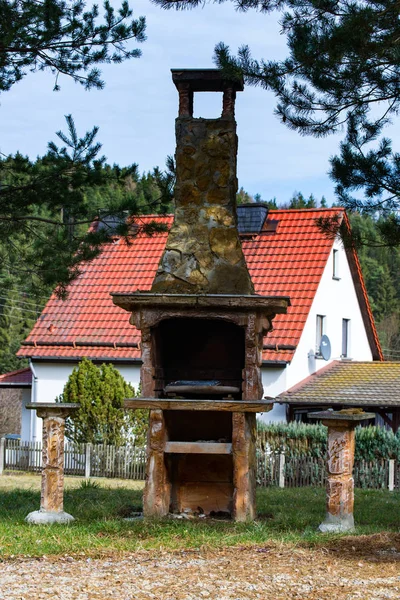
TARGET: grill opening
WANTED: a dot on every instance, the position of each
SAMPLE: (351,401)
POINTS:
(196,353)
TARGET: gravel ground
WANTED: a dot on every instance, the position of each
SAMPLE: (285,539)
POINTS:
(366,570)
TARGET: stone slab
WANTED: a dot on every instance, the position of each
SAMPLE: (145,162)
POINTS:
(45,517)
(205,80)
(273,304)
(214,405)
(337,415)
(337,524)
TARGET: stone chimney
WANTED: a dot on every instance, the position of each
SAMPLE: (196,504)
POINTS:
(203,254)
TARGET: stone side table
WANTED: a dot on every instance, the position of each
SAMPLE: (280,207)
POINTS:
(52,492)
(340,460)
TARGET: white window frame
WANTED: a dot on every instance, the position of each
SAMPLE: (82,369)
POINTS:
(346,324)
(335,264)
(320,331)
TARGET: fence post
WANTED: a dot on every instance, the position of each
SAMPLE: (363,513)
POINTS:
(391,475)
(282,470)
(88,460)
(2,454)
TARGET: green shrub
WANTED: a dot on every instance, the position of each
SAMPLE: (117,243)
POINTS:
(101,418)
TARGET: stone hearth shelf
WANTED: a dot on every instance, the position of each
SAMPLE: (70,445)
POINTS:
(184,404)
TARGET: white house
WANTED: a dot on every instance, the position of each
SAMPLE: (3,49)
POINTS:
(287,255)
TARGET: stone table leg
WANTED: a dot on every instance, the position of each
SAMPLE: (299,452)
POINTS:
(340,460)
(52,492)
(340,484)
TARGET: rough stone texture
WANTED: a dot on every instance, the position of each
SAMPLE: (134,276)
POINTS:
(156,497)
(244,466)
(203,252)
(340,484)
(52,496)
(10,411)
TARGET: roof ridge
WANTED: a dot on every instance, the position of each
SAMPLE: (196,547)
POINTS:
(308,210)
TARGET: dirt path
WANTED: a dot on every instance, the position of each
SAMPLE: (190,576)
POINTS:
(358,568)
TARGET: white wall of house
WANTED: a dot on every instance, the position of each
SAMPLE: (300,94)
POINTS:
(49,379)
(335,300)
(26,415)
(274,382)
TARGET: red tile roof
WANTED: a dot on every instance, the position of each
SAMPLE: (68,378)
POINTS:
(289,262)
(22,377)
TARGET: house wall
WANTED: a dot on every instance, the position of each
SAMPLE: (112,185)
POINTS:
(274,382)
(10,410)
(336,299)
(49,379)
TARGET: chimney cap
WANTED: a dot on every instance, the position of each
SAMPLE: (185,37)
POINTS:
(205,80)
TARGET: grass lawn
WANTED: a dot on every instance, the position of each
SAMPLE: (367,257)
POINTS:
(289,515)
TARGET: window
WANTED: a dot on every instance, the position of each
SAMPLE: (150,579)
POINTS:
(345,337)
(335,273)
(321,320)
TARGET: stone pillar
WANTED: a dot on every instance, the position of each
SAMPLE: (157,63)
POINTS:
(52,492)
(244,466)
(340,460)
(156,495)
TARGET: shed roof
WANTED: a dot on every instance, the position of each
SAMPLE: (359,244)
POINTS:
(285,260)
(349,383)
(20,378)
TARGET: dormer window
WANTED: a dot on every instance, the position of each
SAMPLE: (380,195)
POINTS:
(335,259)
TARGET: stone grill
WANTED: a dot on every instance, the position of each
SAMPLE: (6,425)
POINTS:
(202,327)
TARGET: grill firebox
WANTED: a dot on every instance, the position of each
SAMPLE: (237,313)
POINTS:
(202,328)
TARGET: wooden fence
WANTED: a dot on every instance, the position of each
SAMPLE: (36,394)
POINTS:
(300,471)
(129,462)
(87,460)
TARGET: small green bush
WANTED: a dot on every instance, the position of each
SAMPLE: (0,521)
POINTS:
(101,418)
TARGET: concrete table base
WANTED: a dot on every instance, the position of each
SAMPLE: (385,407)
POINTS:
(337,523)
(47,517)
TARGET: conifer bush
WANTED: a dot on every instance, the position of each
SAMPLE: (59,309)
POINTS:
(101,418)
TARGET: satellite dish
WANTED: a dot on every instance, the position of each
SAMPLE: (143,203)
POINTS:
(325,347)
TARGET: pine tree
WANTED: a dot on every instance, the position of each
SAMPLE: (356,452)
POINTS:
(65,38)
(17,317)
(50,203)
(45,200)
(101,419)
(342,72)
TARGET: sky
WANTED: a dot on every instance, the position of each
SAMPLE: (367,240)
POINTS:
(135,112)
